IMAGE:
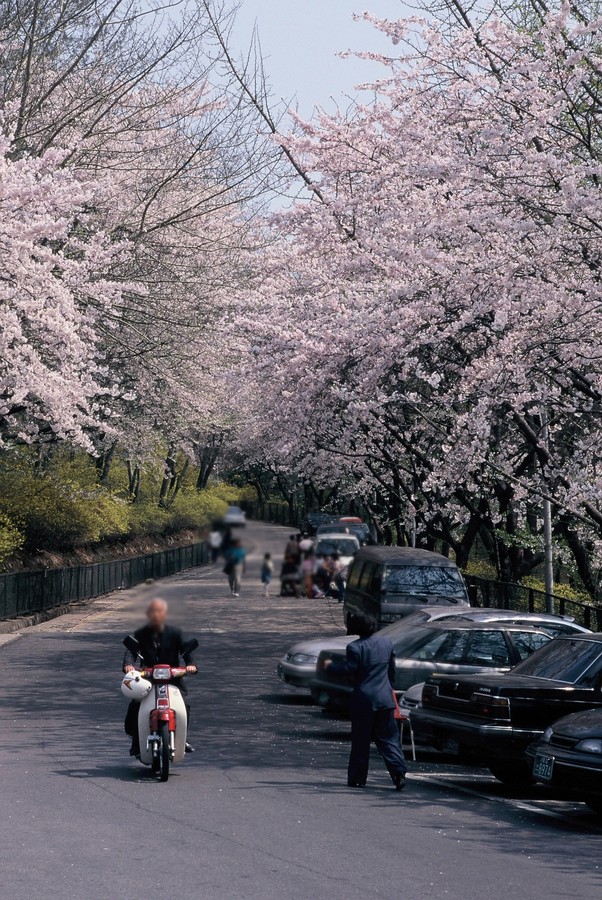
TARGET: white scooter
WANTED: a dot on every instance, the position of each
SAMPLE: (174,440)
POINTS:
(162,718)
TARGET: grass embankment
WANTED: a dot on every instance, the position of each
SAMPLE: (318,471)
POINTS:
(56,508)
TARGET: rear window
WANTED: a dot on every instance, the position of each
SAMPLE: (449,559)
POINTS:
(563,659)
(344,546)
(424,581)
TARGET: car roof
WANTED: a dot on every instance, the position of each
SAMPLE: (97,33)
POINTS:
(337,535)
(464,625)
(551,618)
(581,636)
(404,556)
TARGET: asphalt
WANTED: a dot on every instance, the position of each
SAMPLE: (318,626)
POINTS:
(261,810)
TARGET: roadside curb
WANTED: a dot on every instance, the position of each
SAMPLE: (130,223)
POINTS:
(10,626)
(9,638)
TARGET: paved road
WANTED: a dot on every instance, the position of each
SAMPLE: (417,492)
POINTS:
(262,810)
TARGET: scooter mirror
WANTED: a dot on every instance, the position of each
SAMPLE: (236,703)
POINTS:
(130,643)
(189,646)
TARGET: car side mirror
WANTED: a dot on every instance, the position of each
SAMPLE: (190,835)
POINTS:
(130,643)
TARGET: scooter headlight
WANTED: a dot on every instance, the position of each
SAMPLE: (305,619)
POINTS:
(162,673)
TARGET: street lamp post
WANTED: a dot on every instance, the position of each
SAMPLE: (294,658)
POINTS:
(547,530)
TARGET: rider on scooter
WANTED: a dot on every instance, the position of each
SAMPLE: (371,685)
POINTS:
(159,643)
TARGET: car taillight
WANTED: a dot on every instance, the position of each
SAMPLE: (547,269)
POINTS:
(495,707)
(430,692)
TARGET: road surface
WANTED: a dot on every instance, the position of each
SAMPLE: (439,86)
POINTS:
(262,809)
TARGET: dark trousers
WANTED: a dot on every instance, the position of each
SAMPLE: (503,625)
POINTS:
(378,726)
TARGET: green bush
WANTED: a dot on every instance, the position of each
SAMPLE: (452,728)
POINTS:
(11,538)
(56,502)
(59,505)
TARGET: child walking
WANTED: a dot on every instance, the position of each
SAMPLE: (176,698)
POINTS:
(267,572)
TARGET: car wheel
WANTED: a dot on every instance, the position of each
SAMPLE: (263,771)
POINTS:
(516,774)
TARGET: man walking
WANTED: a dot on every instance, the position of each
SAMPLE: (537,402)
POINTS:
(371,664)
(235,566)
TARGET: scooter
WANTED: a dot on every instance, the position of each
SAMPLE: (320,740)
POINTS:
(162,718)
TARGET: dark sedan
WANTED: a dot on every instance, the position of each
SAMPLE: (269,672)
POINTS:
(569,757)
(458,648)
(313,520)
(496,718)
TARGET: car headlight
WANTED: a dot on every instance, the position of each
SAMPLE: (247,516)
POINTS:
(590,745)
(304,659)
(547,735)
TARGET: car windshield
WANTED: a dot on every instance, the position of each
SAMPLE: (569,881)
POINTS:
(562,659)
(443,581)
(360,529)
(342,546)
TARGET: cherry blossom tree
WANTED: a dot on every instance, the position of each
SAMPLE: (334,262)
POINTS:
(441,290)
(55,281)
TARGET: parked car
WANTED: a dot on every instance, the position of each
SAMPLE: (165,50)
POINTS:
(554,625)
(310,523)
(300,671)
(332,528)
(359,528)
(298,665)
(392,582)
(235,516)
(496,718)
(457,648)
(345,545)
(569,757)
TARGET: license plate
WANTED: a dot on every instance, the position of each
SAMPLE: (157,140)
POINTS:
(543,767)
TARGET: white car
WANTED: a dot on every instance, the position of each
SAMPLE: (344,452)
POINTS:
(235,516)
(344,545)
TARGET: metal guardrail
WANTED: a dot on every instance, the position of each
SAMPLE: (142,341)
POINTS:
(507,595)
(278,513)
(24,593)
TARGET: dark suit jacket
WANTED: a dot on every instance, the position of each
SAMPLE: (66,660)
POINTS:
(371,663)
(168,649)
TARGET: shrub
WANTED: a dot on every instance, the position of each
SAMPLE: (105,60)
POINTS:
(59,506)
(11,538)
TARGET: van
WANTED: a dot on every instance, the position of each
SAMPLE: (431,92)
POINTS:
(392,582)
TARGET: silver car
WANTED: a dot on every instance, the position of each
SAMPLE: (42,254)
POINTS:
(453,648)
(298,666)
(235,516)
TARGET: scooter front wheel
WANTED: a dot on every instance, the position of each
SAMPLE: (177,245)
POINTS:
(164,754)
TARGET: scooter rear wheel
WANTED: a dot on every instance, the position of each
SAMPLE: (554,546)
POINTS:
(164,755)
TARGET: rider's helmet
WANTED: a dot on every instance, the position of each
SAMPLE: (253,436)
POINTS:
(134,686)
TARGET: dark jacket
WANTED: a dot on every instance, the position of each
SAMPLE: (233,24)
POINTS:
(371,664)
(166,647)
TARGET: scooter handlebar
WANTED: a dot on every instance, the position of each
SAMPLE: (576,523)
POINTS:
(176,672)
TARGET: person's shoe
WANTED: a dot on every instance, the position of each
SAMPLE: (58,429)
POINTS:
(189,748)
(236,595)
(135,749)
(356,784)
(400,782)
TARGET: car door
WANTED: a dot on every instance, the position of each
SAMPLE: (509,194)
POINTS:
(443,652)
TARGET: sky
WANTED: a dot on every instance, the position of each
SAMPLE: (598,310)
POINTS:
(300,41)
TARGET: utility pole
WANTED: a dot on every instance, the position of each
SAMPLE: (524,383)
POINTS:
(547,529)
